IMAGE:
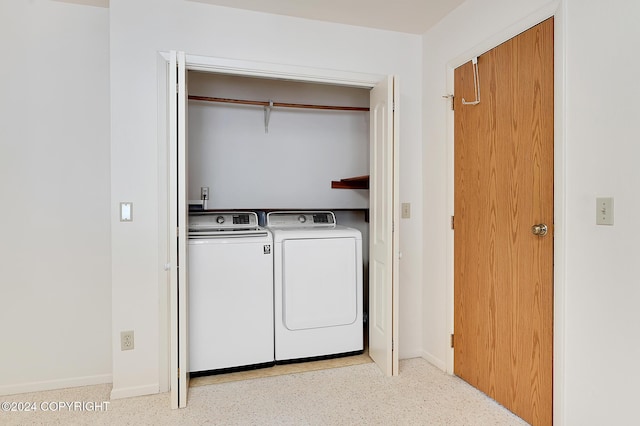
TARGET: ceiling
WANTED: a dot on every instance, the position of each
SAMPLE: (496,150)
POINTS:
(407,16)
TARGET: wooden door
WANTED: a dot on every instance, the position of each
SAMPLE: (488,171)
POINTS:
(503,279)
(383,244)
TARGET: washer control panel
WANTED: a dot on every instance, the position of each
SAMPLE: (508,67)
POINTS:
(222,221)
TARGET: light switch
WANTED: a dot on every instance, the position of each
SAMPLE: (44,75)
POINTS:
(604,211)
(126,212)
(406,211)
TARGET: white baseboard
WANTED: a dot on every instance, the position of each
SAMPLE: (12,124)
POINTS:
(55,384)
(438,363)
(135,391)
(410,354)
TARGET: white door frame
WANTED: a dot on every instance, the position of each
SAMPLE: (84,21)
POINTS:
(559,236)
(241,68)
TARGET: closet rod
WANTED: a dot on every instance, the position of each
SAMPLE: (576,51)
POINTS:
(275,104)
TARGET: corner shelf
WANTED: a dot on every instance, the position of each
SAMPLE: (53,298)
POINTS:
(358,182)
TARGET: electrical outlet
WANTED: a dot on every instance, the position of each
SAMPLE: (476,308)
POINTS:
(126,340)
(204,192)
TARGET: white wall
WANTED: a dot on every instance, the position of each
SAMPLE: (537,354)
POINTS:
(596,153)
(602,272)
(55,255)
(139,30)
(289,167)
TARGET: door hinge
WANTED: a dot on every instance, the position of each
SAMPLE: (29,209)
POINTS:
(178,372)
(177,232)
(177,88)
(451,98)
(452,341)
(392,345)
(453,222)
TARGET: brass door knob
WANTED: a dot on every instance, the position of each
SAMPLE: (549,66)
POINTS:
(540,230)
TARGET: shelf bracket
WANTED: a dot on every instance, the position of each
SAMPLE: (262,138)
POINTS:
(267,115)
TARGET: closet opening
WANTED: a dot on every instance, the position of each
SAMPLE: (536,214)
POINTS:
(266,145)
(271,159)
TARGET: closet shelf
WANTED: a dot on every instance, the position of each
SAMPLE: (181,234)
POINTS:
(358,182)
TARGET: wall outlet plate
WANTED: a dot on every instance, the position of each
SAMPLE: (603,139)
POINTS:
(204,193)
(126,340)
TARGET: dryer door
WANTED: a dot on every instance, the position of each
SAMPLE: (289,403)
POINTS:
(320,283)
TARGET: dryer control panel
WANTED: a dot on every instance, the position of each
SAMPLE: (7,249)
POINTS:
(301,219)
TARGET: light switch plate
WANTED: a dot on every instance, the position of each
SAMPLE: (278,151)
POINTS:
(406,210)
(604,211)
(126,212)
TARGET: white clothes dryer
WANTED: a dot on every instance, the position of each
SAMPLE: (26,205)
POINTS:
(317,285)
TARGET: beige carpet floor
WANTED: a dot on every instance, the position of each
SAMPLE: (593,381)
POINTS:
(354,395)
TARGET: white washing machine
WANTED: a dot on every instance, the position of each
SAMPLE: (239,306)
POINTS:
(230,292)
(317,285)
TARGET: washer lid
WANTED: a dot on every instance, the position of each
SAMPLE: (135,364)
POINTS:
(291,219)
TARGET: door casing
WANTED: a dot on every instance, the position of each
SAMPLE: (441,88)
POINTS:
(249,69)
